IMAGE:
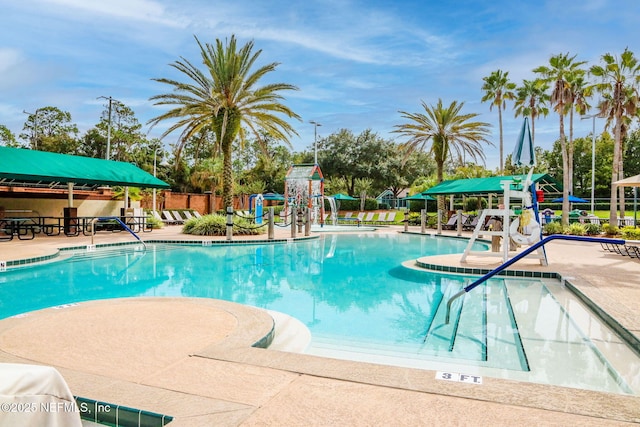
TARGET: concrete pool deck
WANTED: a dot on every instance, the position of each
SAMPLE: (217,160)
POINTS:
(191,358)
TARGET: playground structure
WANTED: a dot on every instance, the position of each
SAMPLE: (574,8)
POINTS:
(523,230)
(304,189)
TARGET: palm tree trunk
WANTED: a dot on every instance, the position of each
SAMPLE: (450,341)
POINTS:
(227,175)
(501,140)
(615,175)
(565,168)
(570,152)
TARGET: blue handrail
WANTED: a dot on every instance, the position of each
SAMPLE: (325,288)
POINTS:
(123,226)
(523,254)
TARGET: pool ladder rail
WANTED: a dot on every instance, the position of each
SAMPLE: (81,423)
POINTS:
(112,218)
(521,255)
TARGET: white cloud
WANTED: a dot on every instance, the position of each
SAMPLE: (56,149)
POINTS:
(135,10)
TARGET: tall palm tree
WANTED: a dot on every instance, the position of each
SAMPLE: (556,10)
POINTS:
(498,89)
(579,93)
(559,71)
(619,83)
(449,133)
(531,101)
(223,98)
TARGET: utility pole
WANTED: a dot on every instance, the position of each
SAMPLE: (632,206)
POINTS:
(34,141)
(111,100)
(315,140)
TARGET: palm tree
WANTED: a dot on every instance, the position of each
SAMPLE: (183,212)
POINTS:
(579,94)
(498,89)
(531,101)
(560,69)
(448,131)
(620,79)
(223,97)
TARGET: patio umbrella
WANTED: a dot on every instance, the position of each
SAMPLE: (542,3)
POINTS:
(524,154)
(572,199)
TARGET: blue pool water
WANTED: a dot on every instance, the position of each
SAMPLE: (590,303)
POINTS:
(355,297)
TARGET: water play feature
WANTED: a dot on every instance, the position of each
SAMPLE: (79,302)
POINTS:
(304,189)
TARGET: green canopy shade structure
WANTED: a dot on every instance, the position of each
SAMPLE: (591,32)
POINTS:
(340,196)
(419,196)
(23,167)
(491,185)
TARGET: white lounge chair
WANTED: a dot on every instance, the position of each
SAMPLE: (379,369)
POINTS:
(178,217)
(382,217)
(168,218)
(369,218)
(197,214)
(187,215)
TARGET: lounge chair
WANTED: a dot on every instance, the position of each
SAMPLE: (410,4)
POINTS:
(197,214)
(471,223)
(369,218)
(451,224)
(389,219)
(168,218)
(178,217)
(361,216)
(187,215)
(382,217)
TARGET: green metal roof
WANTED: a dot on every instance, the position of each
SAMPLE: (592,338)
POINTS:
(482,186)
(20,166)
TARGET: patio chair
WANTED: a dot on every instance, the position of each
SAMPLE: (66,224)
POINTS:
(471,223)
(361,216)
(187,215)
(197,214)
(178,217)
(168,218)
(369,218)
(451,224)
(382,217)
(391,217)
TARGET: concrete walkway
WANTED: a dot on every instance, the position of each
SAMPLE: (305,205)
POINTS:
(192,358)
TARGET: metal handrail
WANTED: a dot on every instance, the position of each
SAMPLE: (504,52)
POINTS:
(125,226)
(521,255)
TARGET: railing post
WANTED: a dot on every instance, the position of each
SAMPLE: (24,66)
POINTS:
(270,226)
(406,220)
(294,215)
(423,221)
(229,222)
(307,222)
(299,220)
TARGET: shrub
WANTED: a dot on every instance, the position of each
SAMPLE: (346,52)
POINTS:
(630,233)
(216,225)
(154,222)
(471,204)
(552,228)
(592,229)
(576,229)
(414,218)
(609,230)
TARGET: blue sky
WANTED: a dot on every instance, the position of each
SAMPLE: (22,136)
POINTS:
(356,63)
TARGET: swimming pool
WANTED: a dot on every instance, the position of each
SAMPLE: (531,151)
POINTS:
(360,303)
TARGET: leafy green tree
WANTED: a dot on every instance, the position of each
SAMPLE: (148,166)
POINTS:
(558,73)
(446,132)
(223,98)
(7,138)
(498,90)
(51,129)
(531,101)
(349,157)
(362,187)
(618,87)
